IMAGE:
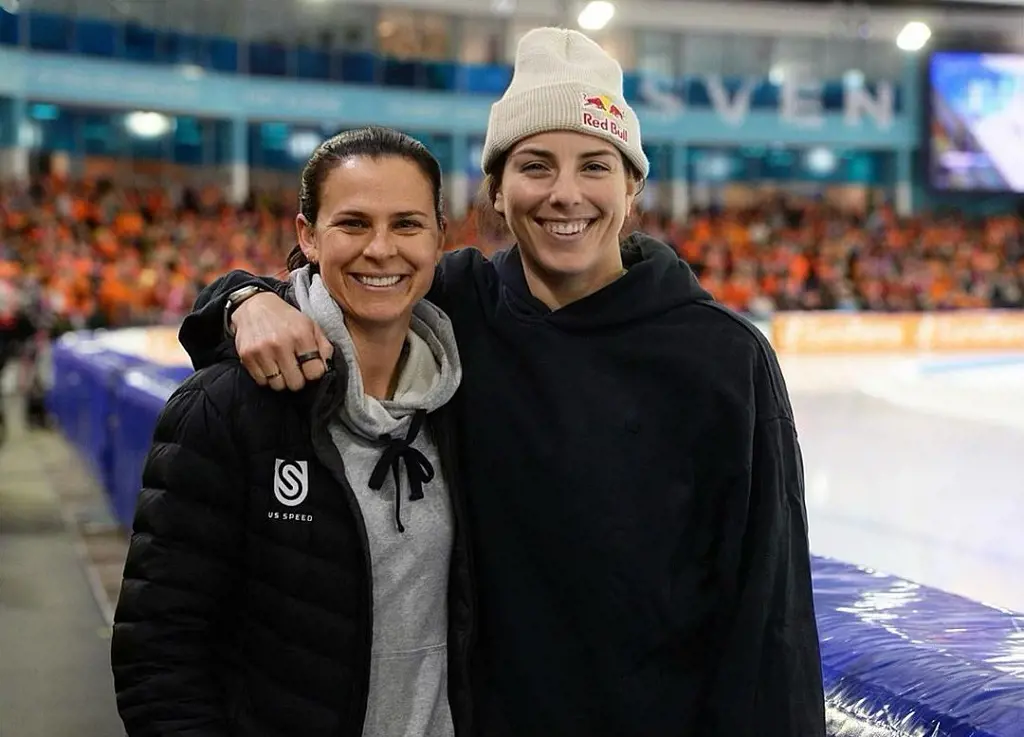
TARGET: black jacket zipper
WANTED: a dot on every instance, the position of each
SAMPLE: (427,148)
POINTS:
(329,399)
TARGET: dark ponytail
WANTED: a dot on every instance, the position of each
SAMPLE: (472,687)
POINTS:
(297,259)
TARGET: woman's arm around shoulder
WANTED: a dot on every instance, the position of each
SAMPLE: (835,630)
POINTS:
(270,333)
(183,570)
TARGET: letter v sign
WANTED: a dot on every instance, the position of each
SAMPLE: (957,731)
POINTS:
(732,111)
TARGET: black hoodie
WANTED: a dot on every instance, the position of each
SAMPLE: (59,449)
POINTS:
(636,504)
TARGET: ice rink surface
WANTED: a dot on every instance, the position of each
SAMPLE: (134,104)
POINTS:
(914,467)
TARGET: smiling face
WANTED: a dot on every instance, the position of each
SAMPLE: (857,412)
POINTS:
(376,239)
(565,197)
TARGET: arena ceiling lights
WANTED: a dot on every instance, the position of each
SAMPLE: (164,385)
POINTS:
(596,15)
(302,144)
(147,125)
(914,36)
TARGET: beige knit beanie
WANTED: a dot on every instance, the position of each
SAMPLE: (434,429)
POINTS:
(563,81)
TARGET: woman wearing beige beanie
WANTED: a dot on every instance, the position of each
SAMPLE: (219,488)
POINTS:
(627,446)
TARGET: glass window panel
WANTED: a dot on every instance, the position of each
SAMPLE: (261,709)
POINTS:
(703,54)
(883,60)
(405,34)
(746,56)
(55,134)
(619,44)
(100,135)
(8,136)
(101,9)
(434,37)
(189,145)
(341,26)
(482,42)
(656,52)
(797,53)
(842,55)
(396,33)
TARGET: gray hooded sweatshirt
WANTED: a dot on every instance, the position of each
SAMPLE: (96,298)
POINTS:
(410,541)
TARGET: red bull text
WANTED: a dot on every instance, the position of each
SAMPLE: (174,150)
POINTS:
(605,124)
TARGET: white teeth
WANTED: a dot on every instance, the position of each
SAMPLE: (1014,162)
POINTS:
(574,227)
(379,281)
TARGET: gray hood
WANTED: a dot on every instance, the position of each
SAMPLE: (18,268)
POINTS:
(429,377)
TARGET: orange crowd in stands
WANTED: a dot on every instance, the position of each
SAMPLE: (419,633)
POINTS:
(101,255)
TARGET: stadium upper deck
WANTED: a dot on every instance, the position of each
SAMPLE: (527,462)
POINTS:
(656,36)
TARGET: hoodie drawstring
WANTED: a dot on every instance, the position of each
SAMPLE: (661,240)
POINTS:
(417,466)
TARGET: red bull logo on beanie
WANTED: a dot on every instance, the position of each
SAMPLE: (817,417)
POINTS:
(601,112)
(603,103)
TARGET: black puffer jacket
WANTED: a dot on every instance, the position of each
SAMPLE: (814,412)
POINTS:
(241,616)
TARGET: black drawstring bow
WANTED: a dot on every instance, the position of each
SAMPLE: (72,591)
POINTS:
(417,466)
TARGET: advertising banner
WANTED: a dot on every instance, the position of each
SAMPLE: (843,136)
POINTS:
(853,333)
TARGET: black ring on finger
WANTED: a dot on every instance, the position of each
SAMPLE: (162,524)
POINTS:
(308,356)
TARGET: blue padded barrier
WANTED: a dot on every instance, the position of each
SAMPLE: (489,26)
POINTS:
(77,359)
(903,659)
(87,375)
(62,399)
(898,659)
(103,375)
(137,404)
(177,374)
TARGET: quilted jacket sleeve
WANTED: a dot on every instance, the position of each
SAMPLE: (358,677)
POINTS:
(182,573)
(202,332)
